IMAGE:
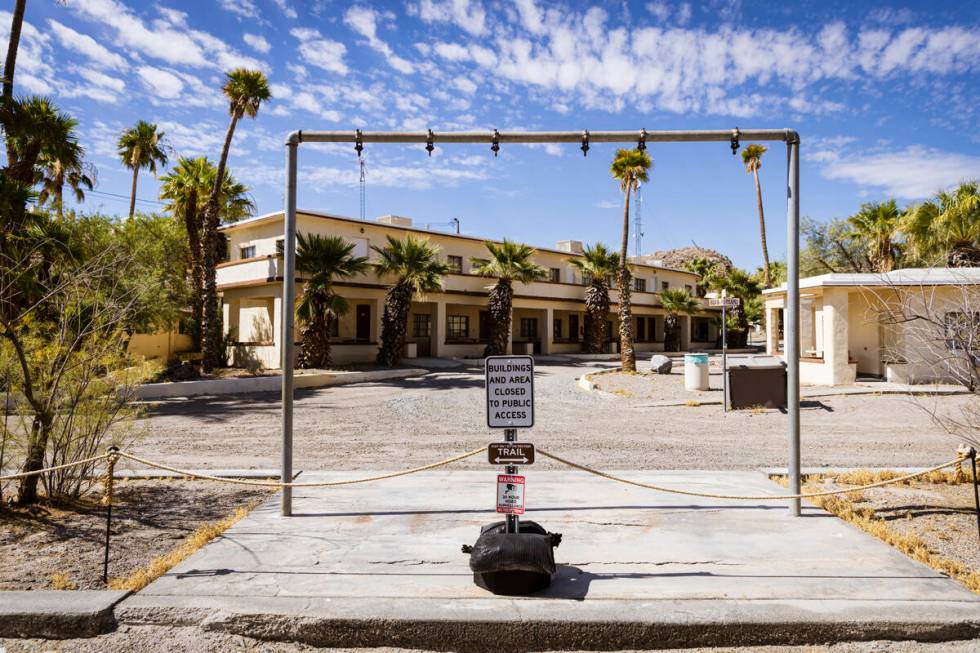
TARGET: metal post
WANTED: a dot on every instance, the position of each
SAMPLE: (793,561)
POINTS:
(792,312)
(288,309)
(724,352)
(513,522)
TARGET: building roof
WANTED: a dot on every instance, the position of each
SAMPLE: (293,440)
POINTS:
(278,215)
(904,277)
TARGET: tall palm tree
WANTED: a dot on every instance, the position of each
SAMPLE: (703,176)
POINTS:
(675,302)
(597,264)
(325,259)
(947,227)
(877,225)
(246,90)
(508,262)
(705,269)
(630,167)
(752,158)
(415,265)
(57,172)
(185,191)
(141,146)
(34,128)
(10,63)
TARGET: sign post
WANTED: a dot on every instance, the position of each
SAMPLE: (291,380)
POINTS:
(510,405)
(724,302)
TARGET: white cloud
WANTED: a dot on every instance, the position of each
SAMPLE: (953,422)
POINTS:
(162,83)
(912,173)
(86,46)
(101,79)
(201,138)
(364,21)
(467,14)
(608,204)
(321,52)
(258,42)
(241,8)
(464,85)
(288,11)
(428,174)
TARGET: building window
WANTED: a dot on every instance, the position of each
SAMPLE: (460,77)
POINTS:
(421,325)
(701,326)
(529,327)
(640,285)
(665,285)
(247,252)
(586,279)
(333,327)
(641,329)
(455,263)
(477,263)
(280,247)
(457,326)
(555,275)
(556,329)
(689,288)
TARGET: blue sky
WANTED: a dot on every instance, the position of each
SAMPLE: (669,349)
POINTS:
(885,97)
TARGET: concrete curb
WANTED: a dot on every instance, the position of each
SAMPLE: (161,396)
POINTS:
(151,391)
(586,383)
(53,614)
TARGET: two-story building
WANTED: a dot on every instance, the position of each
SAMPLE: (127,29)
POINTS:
(548,315)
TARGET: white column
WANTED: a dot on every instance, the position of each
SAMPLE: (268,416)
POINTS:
(549,331)
(277,326)
(772,330)
(686,332)
(807,334)
(835,336)
(439,330)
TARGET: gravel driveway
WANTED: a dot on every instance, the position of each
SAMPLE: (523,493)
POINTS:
(407,422)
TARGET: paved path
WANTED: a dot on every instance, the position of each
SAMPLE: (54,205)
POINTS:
(419,420)
(380,565)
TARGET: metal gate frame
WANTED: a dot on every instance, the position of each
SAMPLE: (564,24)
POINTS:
(495,139)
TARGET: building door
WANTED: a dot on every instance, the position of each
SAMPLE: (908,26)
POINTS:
(422,333)
(573,327)
(484,334)
(362,316)
(641,329)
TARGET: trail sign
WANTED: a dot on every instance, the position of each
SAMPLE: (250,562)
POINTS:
(510,453)
(510,392)
(510,494)
(729,302)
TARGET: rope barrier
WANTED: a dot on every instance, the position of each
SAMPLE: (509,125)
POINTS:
(85,461)
(761,497)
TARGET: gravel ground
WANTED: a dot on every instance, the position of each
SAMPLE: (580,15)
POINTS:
(152,639)
(406,422)
(149,518)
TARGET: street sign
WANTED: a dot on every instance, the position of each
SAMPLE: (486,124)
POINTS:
(510,392)
(510,494)
(510,453)
(730,302)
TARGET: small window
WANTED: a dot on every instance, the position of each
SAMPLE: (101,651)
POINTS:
(457,326)
(640,285)
(455,263)
(556,329)
(555,275)
(280,247)
(665,285)
(421,325)
(529,327)
(247,252)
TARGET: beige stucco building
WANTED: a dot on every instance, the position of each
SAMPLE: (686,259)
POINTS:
(893,325)
(548,316)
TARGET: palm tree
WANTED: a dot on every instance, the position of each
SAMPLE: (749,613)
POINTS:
(675,302)
(752,158)
(141,146)
(325,259)
(34,128)
(876,225)
(705,269)
(56,172)
(16,23)
(630,168)
(508,262)
(185,191)
(947,227)
(597,265)
(246,90)
(415,265)
(738,283)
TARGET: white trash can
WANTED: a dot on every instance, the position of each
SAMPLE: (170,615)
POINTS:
(695,372)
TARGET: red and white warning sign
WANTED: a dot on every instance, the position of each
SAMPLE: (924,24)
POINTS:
(510,494)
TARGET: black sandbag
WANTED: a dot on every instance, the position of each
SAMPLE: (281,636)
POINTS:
(513,564)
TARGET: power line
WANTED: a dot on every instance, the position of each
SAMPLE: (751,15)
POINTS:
(102,193)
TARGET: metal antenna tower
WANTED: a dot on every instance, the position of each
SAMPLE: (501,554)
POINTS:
(363,188)
(638,221)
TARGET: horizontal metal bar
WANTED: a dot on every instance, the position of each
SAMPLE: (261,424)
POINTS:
(667,136)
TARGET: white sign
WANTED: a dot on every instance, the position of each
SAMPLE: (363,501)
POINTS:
(510,494)
(724,301)
(510,392)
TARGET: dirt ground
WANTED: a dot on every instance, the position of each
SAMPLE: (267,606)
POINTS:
(408,422)
(159,639)
(46,546)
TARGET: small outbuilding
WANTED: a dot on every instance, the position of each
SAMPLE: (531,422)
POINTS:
(915,325)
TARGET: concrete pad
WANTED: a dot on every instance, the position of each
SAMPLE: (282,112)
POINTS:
(380,565)
(52,614)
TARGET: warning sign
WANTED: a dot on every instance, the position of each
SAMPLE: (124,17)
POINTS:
(510,494)
(510,392)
